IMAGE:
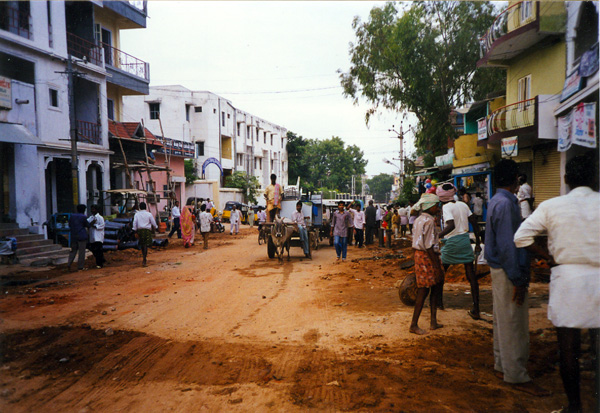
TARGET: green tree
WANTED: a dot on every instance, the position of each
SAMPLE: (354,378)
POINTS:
(380,185)
(191,173)
(324,164)
(422,61)
(248,184)
(408,192)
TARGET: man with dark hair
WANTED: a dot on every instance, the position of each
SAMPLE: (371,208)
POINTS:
(572,224)
(176,214)
(96,222)
(340,222)
(298,220)
(274,196)
(205,220)
(79,237)
(370,222)
(143,224)
(525,196)
(509,267)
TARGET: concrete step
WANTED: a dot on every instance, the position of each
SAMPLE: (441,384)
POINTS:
(22,252)
(29,237)
(57,257)
(13,232)
(8,225)
(33,243)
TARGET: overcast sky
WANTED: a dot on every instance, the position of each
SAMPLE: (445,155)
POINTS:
(276,60)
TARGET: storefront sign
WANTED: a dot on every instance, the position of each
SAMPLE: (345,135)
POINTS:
(481,129)
(5,93)
(177,148)
(573,84)
(510,147)
(211,161)
(589,62)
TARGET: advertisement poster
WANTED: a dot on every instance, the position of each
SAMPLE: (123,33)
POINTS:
(583,127)
(481,129)
(564,133)
(573,84)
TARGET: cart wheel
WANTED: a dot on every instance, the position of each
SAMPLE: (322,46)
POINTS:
(270,248)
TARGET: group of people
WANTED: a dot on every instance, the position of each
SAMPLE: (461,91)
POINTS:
(86,232)
(572,226)
(187,221)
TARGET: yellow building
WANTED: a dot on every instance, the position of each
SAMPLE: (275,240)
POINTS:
(528,39)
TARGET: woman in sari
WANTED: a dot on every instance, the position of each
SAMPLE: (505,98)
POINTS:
(188,229)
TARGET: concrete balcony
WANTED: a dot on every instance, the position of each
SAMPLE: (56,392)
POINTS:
(126,71)
(132,14)
(84,49)
(530,120)
(518,28)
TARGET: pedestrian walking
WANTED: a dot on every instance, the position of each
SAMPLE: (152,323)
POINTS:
(144,224)
(403,213)
(176,215)
(525,196)
(78,225)
(478,206)
(395,222)
(378,216)
(97,224)
(509,267)
(457,242)
(429,274)
(206,220)
(359,225)
(188,224)
(350,210)
(251,217)
(412,216)
(340,222)
(370,222)
(572,224)
(234,220)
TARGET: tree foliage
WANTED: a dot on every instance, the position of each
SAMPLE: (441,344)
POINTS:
(327,163)
(191,173)
(422,61)
(248,184)
(380,185)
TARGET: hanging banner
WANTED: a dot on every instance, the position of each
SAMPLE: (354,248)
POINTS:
(583,127)
(510,147)
(481,129)
(573,84)
(564,133)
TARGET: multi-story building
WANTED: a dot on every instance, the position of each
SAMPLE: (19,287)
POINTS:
(528,39)
(226,139)
(40,42)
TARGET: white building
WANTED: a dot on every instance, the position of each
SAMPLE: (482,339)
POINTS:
(36,40)
(238,140)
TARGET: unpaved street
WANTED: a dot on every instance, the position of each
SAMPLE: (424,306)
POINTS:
(227,329)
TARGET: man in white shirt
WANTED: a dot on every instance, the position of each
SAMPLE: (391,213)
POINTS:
(298,220)
(572,224)
(205,220)
(525,196)
(97,235)
(359,225)
(234,220)
(176,214)
(478,206)
(143,224)
(457,243)
(378,216)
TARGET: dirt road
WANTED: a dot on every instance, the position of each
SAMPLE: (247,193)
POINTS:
(227,329)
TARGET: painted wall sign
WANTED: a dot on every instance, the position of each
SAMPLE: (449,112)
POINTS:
(573,84)
(5,93)
(510,147)
(481,129)
(211,161)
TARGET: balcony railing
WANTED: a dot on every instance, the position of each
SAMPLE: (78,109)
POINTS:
(84,49)
(16,18)
(517,15)
(89,132)
(126,62)
(512,117)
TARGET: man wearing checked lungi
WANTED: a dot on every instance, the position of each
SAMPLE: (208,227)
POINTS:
(456,247)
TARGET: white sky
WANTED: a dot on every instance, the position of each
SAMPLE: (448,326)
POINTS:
(240,50)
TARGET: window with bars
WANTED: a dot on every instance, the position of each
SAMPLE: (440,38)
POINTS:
(154,110)
(524,91)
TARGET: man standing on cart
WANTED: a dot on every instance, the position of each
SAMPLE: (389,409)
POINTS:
(298,220)
(274,196)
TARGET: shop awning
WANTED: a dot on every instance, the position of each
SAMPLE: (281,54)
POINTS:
(17,133)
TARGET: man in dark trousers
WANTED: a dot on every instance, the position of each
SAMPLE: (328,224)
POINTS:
(176,214)
(370,222)
(78,225)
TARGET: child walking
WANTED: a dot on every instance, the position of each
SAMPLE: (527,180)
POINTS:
(428,267)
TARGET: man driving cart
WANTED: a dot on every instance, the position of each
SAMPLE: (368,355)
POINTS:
(300,224)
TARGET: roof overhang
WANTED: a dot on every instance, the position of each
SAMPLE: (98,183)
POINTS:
(17,133)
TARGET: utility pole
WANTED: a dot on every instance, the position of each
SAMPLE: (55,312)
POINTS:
(400,136)
(73,133)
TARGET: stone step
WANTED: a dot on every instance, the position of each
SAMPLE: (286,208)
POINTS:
(22,252)
(33,243)
(29,237)
(8,225)
(13,232)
